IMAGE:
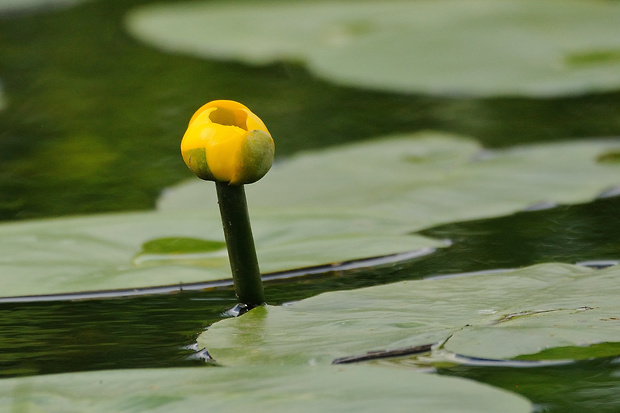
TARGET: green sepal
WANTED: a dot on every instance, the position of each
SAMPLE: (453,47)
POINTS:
(196,160)
(256,155)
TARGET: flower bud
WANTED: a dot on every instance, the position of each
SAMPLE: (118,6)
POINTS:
(226,142)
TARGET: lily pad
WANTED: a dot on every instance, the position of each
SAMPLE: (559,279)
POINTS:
(471,47)
(153,249)
(516,314)
(276,389)
(426,179)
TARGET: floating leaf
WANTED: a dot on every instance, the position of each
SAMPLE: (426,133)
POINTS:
(426,179)
(473,47)
(490,316)
(153,249)
(274,389)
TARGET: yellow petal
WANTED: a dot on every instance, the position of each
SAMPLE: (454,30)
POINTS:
(222,150)
(226,142)
(244,118)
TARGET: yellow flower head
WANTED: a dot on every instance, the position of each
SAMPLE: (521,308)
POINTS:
(226,142)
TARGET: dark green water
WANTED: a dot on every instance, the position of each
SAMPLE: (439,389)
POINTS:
(93,123)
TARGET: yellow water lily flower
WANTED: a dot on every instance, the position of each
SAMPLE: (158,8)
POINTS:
(226,142)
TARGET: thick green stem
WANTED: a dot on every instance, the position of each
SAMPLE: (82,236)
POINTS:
(240,242)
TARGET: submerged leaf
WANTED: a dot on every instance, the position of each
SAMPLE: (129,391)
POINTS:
(274,389)
(490,316)
(610,157)
(593,57)
(180,249)
(474,47)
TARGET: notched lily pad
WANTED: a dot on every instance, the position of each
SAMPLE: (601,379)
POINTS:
(488,316)
(139,250)
(448,47)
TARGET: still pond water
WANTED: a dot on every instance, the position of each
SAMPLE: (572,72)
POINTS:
(94,123)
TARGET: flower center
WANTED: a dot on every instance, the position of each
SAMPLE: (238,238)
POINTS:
(227,117)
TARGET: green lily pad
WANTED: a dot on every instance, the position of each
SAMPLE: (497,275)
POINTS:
(426,179)
(153,249)
(472,47)
(28,5)
(521,313)
(275,389)
(112,252)
(353,202)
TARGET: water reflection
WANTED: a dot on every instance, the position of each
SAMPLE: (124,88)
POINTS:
(584,386)
(144,332)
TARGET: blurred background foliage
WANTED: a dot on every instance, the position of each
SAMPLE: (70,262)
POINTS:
(93,118)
